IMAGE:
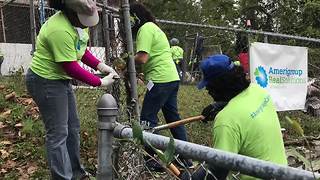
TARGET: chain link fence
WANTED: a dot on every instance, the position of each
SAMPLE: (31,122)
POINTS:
(197,42)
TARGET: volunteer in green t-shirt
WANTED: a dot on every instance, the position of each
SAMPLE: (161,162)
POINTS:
(248,124)
(61,43)
(177,54)
(161,76)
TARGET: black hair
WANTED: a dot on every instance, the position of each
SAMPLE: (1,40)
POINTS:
(241,43)
(228,85)
(142,14)
(56,4)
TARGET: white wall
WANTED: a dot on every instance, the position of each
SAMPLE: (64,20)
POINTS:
(18,56)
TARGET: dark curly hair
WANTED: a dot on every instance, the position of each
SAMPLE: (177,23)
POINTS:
(56,4)
(143,14)
(228,85)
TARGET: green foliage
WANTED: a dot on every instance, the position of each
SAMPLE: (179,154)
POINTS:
(137,132)
(165,157)
(295,125)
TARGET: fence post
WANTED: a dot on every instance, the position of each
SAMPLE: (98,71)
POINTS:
(185,59)
(106,30)
(107,114)
(2,24)
(131,63)
(33,27)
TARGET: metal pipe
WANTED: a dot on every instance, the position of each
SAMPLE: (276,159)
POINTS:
(239,30)
(33,28)
(106,32)
(3,27)
(265,39)
(107,114)
(236,162)
(109,8)
(185,57)
(131,64)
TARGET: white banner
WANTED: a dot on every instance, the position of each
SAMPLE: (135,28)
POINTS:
(282,71)
(17,56)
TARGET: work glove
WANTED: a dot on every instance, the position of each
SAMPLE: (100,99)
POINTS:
(105,69)
(108,80)
(212,110)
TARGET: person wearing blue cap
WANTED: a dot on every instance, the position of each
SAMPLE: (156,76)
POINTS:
(248,124)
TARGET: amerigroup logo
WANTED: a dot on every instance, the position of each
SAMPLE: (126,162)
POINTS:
(278,76)
(261,76)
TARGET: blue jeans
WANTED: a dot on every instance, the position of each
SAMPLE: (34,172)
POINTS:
(163,96)
(56,102)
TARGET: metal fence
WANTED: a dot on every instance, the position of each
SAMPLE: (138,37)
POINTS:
(112,44)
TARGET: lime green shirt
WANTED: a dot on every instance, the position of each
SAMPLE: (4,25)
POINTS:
(160,67)
(58,41)
(177,54)
(249,126)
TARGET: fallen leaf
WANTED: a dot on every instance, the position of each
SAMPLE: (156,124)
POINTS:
(5,114)
(4,154)
(10,96)
(32,169)
(3,171)
(2,125)
(5,143)
(24,177)
(10,164)
(19,125)
(25,101)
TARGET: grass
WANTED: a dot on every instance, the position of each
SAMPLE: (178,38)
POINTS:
(27,142)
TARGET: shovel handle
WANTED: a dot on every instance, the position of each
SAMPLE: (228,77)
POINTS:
(177,123)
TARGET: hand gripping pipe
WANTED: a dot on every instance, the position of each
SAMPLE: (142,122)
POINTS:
(244,164)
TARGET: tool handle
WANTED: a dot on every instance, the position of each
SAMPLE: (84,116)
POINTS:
(177,123)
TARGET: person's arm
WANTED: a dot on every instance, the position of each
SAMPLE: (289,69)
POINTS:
(74,70)
(89,59)
(144,45)
(141,57)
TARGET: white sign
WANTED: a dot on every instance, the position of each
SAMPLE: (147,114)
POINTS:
(18,56)
(282,71)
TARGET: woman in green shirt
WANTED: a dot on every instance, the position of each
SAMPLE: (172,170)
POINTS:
(154,54)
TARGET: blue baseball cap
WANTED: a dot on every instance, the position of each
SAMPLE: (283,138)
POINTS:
(214,66)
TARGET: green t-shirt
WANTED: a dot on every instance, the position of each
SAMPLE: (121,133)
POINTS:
(58,41)
(177,54)
(160,67)
(249,126)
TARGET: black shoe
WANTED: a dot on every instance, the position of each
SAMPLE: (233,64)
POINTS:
(153,165)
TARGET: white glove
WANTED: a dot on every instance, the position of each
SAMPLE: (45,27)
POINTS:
(107,80)
(102,67)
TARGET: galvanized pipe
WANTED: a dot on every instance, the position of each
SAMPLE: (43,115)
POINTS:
(131,64)
(33,27)
(107,114)
(244,164)
(106,32)
(239,30)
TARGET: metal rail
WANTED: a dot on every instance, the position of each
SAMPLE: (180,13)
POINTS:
(246,165)
(238,30)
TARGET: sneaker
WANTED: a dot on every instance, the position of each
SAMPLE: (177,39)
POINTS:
(153,165)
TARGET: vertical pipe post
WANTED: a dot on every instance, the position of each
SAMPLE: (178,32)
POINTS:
(3,27)
(185,57)
(107,114)
(265,38)
(106,30)
(42,12)
(33,28)
(131,63)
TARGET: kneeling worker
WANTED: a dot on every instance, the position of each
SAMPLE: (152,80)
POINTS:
(248,124)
